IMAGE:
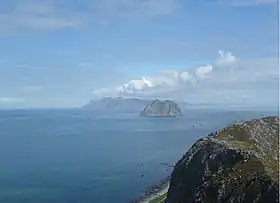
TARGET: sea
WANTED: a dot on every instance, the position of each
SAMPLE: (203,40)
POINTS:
(81,156)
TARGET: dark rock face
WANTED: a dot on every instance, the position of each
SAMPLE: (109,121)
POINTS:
(165,108)
(240,163)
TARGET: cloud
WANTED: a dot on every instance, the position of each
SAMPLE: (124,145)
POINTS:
(51,14)
(173,78)
(32,88)
(86,64)
(226,60)
(165,80)
(161,7)
(112,8)
(227,79)
(203,71)
(247,3)
(9,100)
(22,66)
(34,14)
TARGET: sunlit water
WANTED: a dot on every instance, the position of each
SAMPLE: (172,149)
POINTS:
(74,156)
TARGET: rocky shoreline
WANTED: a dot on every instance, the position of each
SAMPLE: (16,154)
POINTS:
(153,191)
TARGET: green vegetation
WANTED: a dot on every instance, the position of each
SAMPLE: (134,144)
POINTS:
(245,169)
(239,162)
(241,144)
(264,144)
(159,199)
(234,132)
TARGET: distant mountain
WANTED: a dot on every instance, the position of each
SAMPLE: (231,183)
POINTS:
(159,108)
(117,104)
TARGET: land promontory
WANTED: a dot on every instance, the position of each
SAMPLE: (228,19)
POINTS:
(239,163)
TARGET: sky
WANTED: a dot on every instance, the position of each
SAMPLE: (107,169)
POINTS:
(62,53)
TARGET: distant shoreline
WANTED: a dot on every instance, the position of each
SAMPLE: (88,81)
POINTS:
(154,191)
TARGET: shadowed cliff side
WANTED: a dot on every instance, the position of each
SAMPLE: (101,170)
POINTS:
(239,163)
(166,108)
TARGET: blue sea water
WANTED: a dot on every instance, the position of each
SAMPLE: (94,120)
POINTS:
(77,156)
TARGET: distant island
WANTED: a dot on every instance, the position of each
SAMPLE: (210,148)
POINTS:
(166,108)
(125,105)
(117,105)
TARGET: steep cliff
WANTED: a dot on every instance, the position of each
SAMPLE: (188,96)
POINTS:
(165,108)
(239,163)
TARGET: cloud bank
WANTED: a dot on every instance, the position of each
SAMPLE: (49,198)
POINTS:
(10,100)
(171,79)
(247,3)
(226,79)
(52,14)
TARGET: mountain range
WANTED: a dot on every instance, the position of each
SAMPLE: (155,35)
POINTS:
(121,104)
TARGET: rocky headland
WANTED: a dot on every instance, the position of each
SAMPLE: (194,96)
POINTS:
(239,163)
(165,108)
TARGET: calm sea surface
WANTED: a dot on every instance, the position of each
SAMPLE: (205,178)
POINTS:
(74,156)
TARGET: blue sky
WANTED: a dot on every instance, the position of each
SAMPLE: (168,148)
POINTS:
(64,53)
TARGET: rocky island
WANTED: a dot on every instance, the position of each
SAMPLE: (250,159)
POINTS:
(239,163)
(166,108)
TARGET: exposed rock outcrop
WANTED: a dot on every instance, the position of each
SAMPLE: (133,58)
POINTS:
(165,108)
(239,163)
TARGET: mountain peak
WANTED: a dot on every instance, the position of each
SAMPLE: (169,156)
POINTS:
(159,108)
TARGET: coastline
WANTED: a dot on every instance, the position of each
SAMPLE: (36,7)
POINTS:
(154,191)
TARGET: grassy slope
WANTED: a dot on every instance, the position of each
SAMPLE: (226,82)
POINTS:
(159,199)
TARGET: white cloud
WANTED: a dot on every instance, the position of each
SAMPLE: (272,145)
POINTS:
(102,92)
(32,88)
(226,60)
(22,66)
(228,79)
(33,14)
(186,76)
(113,8)
(86,64)
(247,3)
(171,79)
(51,14)
(9,100)
(168,79)
(203,71)
(161,7)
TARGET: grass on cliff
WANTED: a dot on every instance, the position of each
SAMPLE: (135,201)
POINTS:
(238,137)
(235,132)
(159,199)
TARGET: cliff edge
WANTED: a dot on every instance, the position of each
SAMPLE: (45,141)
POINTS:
(239,163)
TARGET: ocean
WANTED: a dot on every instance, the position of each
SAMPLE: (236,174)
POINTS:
(78,156)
